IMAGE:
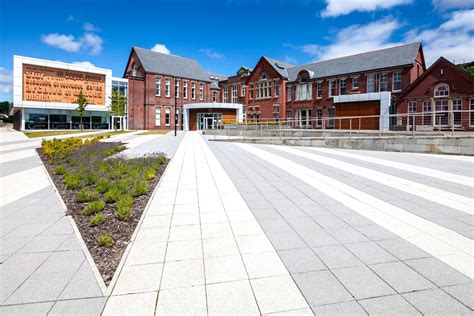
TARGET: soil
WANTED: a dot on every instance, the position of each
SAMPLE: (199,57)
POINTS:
(106,258)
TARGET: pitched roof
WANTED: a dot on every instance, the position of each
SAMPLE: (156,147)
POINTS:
(171,65)
(280,66)
(384,58)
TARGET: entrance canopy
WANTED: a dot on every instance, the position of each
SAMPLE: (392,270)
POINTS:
(191,113)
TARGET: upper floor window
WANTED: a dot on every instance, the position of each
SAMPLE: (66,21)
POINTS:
(371,83)
(397,81)
(383,83)
(319,90)
(134,70)
(303,91)
(193,90)
(263,76)
(185,89)
(224,94)
(332,88)
(264,89)
(234,94)
(276,89)
(342,86)
(158,86)
(441,90)
(251,92)
(176,88)
(355,82)
(201,91)
(288,93)
(167,87)
(242,90)
(412,106)
(214,96)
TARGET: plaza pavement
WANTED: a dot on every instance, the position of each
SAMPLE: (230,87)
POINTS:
(252,229)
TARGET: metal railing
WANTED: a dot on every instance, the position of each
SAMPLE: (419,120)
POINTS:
(418,123)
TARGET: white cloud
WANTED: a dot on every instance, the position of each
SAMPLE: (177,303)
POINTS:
(89,27)
(445,5)
(355,39)
(453,39)
(161,48)
(211,53)
(84,63)
(343,7)
(89,42)
(6,80)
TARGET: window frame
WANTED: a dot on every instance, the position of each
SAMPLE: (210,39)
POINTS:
(234,95)
(319,90)
(355,80)
(176,88)
(193,90)
(201,91)
(331,92)
(471,113)
(158,86)
(168,116)
(158,116)
(383,76)
(436,89)
(168,88)
(185,89)
(276,89)
(371,78)
(399,81)
(341,86)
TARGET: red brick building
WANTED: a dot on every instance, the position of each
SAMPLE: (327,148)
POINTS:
(357,85)
(233,88)
(438,98)
(157,83)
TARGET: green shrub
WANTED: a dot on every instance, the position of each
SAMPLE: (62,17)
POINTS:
(86,195)
(89,177)
(150,173)
(124,208)
(97,220)
(72,181)
(102,185)
(140,188)
(60,170)
(60,147)
(161,160)
(113,194)
(93,207)
(106,240)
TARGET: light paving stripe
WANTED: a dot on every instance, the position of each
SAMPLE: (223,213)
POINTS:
(449,199)
(25,153)
(434,239)
(20,184)
(428,172)
(449,157)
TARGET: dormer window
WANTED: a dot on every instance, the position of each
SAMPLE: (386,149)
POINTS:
(441,90)
(134,70)
(263,76)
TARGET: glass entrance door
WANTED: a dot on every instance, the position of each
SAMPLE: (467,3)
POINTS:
(209,121)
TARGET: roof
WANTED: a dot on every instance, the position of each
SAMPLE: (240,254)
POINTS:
(217,76)
(280,66)
(171,65)
(379,59)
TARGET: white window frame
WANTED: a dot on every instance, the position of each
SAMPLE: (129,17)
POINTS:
(225,94)
(176,88)
(185,89)
(168,88)
(242,90)
(319,88)
(276,89)
(168,116)
(371,81)
(397,74)
(251,92)
(436,90)
(342,86)
(158,86)
(234,93)
(193,90)
(457,108)
(157,116)
(201,91)
(471,113)
(355,80)
(214,96)
(331,82)
(410,106)
(289,91)
(383,76)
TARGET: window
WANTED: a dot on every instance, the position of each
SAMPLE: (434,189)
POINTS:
(303,118)
(193,90)
(242,90)
(134,70)
(397,81)
(426,119)
(355,82)
(167,116)
(263,76)
(251,92)
(201,91)
(158,86)
(276,111)
(371,83)
(167,87)
(214,96)
(319,89)
(157,117)
(225,94)
(234,94)
(176,88)
(319,116)
(441,90)
(276,89)
(412,106)
(185,89)
(264,90)
(332,88)
(471,108)
(288,93)
(383,82)
(441,109)
(342,86)
(457,107)
(303,91)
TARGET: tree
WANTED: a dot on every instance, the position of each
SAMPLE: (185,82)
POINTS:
(81,102)
(118,102)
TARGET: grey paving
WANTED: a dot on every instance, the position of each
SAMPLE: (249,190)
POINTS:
(167,144)
(436,302)
(388,305)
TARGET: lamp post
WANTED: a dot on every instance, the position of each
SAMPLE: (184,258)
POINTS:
(175,114)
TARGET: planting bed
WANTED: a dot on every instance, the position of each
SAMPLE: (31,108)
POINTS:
(104,192)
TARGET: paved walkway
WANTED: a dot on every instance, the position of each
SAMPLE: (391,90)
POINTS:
(364,232)
(200,250)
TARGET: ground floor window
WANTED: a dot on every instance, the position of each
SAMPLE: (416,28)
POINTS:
(457,107)
(64,119)
(411,112)
(167,116)
(441,109)
(471,108)
(209,121)
(319,116)
(157,117)
(276,111)
(303,118)
(331,114)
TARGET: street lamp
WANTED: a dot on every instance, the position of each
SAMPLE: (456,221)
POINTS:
(175,114)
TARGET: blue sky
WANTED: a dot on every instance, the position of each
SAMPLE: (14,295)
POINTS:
(223,35)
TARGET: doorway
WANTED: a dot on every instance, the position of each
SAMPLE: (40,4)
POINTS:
(209,121)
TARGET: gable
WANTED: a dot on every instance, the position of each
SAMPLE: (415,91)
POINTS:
(133,59)
(263,66)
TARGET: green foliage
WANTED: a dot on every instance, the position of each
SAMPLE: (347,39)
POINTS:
(114,193)
(60,147)
(124,208)
(93,207)
(81,102)
(140,188)
(97,220)
(150,173)
(72,181)
(102,185)
(60,170)
(106,240)
(86,195)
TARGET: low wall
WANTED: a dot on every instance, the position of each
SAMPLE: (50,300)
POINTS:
(455,145)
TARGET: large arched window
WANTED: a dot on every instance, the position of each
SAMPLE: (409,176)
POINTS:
(441,90)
